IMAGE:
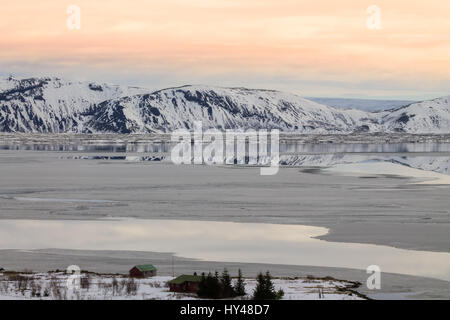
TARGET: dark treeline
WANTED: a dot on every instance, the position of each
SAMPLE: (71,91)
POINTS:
(215,286)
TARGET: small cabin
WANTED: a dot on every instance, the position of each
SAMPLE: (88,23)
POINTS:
(185,283)
(143,271)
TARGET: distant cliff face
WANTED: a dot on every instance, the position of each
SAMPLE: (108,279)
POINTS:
(52,105)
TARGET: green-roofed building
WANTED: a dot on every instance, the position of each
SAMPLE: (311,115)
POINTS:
(143,271)
(185,283)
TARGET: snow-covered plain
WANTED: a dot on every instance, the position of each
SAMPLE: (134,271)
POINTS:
(53,286)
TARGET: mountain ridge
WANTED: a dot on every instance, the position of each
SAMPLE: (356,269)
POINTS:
(53,105)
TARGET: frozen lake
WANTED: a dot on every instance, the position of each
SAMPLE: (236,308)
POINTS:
(123,193)
(221,241)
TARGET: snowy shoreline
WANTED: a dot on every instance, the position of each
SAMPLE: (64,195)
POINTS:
(53,286)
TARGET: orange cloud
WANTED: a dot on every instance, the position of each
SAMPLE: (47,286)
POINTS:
(213,36)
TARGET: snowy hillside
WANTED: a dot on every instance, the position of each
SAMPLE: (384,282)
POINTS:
(370,105)
(422,117)
(222,108)
(52,105)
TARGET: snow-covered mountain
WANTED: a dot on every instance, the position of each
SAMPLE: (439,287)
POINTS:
(51,104)
(431,116)
(361,104)
(54,105)
(222,108)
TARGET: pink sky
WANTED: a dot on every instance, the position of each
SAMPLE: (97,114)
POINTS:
(321,48)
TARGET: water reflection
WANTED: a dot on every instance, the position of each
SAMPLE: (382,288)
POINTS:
(439,164)
(289,147)
(323,148)
(292,153)
(115,148)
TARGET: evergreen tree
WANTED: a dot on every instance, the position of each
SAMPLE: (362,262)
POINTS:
(280,294)
(227,288)
(202,288)
(215,287)
(239,287)
(210,287)
(265,289)
(260,292)
(268,286)
(226,280)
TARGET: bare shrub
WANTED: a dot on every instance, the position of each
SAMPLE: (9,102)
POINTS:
(85,282)
(122,285)
(131,287)
(115,286)
(20,282)
(4,286)
(35,289)
(55,289)
(155,284)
